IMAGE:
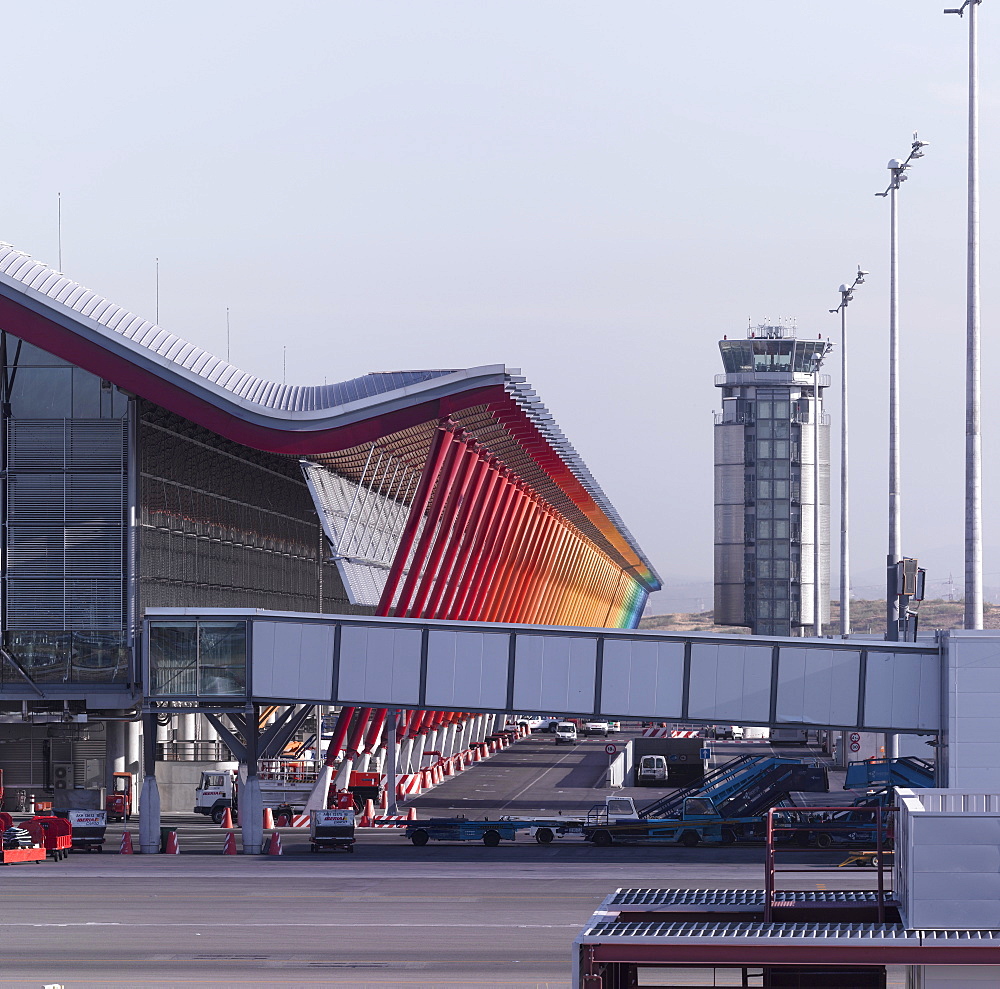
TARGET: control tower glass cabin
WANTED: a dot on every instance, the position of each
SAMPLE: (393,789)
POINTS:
(765,495)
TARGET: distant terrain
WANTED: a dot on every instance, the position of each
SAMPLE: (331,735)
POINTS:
(865,616)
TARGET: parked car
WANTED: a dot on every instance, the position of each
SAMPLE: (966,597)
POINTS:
(597,728)
(566,732)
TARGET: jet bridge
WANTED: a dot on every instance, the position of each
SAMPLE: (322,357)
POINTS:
(217,659)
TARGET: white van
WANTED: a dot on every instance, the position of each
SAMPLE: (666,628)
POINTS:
(652,770)
(566,732)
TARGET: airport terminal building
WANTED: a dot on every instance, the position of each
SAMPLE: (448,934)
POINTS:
(140,471)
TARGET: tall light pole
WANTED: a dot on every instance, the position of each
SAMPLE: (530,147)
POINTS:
(973,437)
(897,175)
(846,295)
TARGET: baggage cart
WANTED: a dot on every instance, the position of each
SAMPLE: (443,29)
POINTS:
(88,827)
(331,829)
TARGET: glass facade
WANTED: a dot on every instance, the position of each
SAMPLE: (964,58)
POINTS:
(218,525)
(65,475)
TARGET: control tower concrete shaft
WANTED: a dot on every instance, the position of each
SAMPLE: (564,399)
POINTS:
(772,475)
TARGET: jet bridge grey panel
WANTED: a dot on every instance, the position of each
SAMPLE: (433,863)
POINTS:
(730,684)
(818,686)
(610,673)
(643,678)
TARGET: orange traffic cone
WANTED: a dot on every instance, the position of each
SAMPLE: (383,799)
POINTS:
(369,815)
(383,800)
(411,813)
(173,846)
(274,846)
(268,819)
(229,848)
(126,846)
(282,821)
(227,819)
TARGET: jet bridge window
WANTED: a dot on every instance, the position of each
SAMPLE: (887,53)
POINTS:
(195,658)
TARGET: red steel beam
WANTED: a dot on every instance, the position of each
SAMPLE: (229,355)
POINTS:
(504,555)
(470,503)
(339,734)
(440,444)
(459,478)
(470,610)
(446,477)
(466,592)
(484,502)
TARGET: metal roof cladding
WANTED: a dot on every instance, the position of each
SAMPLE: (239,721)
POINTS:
(51,311)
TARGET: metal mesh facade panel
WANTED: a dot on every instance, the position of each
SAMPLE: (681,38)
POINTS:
(225,526)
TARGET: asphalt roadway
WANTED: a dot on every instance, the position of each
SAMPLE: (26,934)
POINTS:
(389,915)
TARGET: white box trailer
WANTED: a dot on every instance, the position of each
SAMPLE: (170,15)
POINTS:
(332,829)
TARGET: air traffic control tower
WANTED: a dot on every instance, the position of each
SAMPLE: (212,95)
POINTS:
(769,438)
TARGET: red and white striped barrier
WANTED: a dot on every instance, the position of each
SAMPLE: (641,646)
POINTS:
(668,733)
(387,821)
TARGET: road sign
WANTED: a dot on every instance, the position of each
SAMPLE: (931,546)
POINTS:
(855,746)
(705,753)
(855,737)
(610,748)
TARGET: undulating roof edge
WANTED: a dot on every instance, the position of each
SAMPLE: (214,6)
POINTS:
(50,310)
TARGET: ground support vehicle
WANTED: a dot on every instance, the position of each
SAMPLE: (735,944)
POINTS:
(119,801)
(88,829)
(566,733)
(903,771)
(728,806)
(281,784)
(490,833)
(331,829)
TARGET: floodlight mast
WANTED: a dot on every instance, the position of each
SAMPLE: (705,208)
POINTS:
(973,383)
(897,175)
(846,296)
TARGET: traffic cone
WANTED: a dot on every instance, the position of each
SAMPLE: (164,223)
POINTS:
(477,756)
(274,845)
(368,815)
(126,846)
(173,846)
(229,848)
(411,813)
(227,819)
(383,801)
(268,819)
(282,821)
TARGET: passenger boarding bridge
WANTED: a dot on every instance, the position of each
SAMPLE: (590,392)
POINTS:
(219,658)
(233,661)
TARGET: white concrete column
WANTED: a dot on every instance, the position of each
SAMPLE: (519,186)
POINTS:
(133,746)
(116,755)
(405,752)
(252,816)
(149,800)
(417,753)
(185,724)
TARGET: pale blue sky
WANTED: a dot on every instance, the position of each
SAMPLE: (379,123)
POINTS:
(593,192)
